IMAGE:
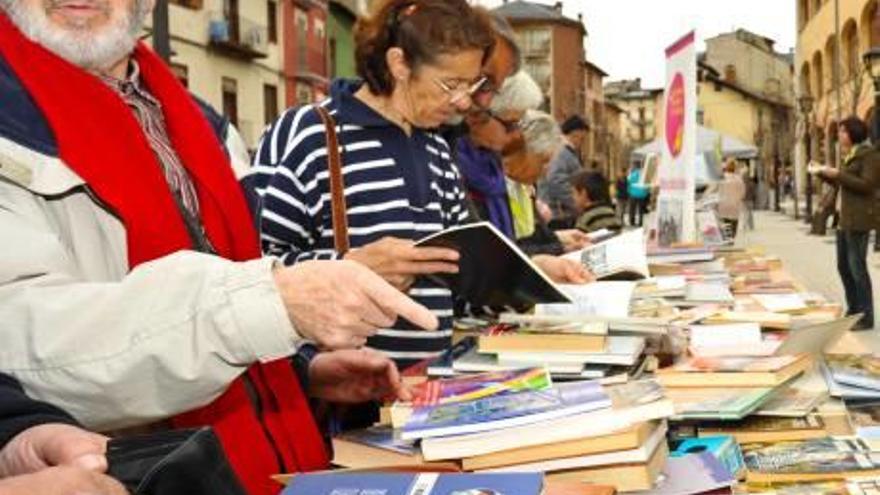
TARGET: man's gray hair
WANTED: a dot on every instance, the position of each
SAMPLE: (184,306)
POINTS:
(518,93)
(541,133)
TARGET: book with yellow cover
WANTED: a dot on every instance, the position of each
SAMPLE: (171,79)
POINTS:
(734,372)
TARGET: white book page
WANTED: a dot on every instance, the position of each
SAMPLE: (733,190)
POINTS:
(624,252)
(605,299)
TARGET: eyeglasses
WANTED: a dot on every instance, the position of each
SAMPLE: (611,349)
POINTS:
(509,125)
(461,90)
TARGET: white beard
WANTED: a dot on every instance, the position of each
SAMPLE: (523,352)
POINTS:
(91,50)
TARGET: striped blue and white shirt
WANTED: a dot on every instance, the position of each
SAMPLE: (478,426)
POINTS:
(395,186)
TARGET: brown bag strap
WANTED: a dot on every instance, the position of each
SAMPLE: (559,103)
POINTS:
(337,185)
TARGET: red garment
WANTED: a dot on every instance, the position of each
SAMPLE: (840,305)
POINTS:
(100,139)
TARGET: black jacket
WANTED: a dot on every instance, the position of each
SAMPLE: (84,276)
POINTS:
(19,412)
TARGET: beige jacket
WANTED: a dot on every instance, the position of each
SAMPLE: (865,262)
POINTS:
(731,194)
(115,348)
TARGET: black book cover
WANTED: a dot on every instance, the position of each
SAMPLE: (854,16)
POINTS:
(492,270)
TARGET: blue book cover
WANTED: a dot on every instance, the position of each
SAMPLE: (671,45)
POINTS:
(505,411)
(415,484)
(723,447)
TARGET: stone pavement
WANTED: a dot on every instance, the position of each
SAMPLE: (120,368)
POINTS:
(811,260)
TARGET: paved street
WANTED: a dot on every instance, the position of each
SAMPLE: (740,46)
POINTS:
(811,260)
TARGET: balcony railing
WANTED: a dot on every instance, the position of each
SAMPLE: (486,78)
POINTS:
(237,36)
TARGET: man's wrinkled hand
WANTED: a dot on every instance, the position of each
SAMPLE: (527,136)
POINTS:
(64,480)
(50,445)
(563,271)
(399,261)
(355,376)
(338,304)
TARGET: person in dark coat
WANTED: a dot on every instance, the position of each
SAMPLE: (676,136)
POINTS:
(859,181)
(43,451)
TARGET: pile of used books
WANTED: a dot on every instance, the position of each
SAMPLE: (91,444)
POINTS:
(681,371)
(569,350)
(520,421)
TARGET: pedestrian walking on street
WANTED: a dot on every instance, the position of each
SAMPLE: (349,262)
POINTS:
(751,199)
(859,181)
(638,195)
(731,198)
(621,195)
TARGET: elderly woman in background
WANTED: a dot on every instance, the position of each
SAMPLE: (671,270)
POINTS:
(490,131)
(494,132)
(731,197)
(524,164)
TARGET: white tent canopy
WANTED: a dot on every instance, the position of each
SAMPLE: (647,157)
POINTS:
(708,168)
(707,141)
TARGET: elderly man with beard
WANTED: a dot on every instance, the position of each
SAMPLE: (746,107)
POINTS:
(131,288)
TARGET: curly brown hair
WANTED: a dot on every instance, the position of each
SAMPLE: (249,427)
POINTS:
(423,29)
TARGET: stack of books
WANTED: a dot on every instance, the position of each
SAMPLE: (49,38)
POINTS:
(728,388)
(570,351)
(575,431)
(852,376)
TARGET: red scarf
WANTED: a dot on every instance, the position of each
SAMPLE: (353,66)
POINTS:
(99,138)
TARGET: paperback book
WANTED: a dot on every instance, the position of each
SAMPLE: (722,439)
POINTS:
(620,258)
(503,411)
(493,271)
(330,483)
(469,387)
(810,460)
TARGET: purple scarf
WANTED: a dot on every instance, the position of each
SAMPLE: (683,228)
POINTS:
(484,179)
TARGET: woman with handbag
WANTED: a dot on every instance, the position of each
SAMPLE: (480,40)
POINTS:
(858,179)
(420,62)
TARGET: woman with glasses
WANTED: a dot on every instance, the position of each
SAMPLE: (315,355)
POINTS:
(420,62)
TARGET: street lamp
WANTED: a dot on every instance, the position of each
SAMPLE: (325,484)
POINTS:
(806,105)
(872,65)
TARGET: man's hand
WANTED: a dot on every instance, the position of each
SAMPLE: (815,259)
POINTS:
(338,304)
(62,481)
(563,271)
(398,261)
(573,239)
(50,445)
(355,376)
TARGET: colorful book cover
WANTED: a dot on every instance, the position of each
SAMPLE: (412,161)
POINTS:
(824,455)
(478,386)
(382,437)
(735,364)
(855,370)
(330,483)
(723,447)
(501,411)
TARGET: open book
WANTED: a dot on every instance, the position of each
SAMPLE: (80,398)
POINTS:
(492,270)
(622,257)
